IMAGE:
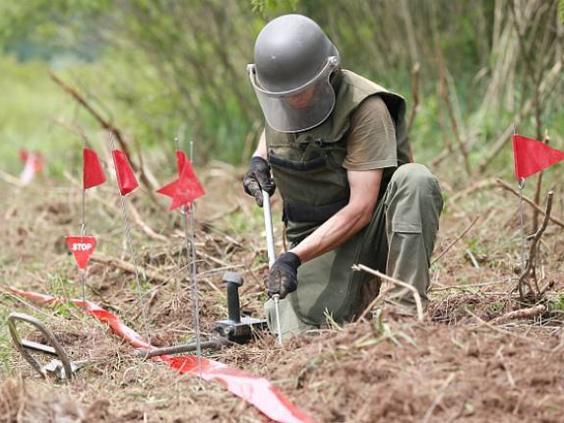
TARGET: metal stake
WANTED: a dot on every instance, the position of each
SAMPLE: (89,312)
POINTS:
(189,230)
(191,257)
(521,216)
(271,256)
(522,223)
(82,272)
(131,252)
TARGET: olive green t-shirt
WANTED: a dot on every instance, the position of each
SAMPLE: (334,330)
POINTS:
(371,142)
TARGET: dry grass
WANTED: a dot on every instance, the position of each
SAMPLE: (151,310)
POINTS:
(453,366)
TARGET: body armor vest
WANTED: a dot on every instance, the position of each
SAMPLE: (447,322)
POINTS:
(307,166)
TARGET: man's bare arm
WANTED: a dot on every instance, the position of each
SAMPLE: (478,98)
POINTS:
(261,146)
(343,225)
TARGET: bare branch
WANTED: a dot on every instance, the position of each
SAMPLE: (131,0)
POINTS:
(108,126)
(464,232)
(416,296)
(527,200)
(529,270)
(524,313)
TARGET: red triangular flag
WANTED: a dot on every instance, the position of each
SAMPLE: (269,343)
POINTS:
(92,173)
(125,176)
(185,189)
(24,154)
(532,156)
(81,248)
(180,160)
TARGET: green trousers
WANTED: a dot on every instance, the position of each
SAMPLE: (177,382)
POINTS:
(398,241)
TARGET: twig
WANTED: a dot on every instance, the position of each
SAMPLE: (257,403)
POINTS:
(472,258)
(484,184)
(501,331)
(146,228)
(416,296)
(524,313)
(204,255)
(128,267)
(464,232)
(467,286)
(75,129)
(527,200)
(441,156)
(530,267)
(9,179)
(380,297)
(439,398)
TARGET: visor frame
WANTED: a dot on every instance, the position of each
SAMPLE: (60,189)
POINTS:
(332,64)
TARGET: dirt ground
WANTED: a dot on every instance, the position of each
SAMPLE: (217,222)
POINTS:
(459,364)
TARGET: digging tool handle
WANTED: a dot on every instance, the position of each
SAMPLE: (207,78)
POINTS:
(233,307)
(268,228)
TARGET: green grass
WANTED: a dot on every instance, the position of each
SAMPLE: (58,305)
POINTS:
(557,303)
(6,349)
(28,105)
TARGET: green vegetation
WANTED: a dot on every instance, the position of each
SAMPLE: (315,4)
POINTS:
(557,304)
(158,68)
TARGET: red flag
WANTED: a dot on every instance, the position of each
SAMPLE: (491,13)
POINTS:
(92,173)
(24,154)
(532,156)
(33,164)
(180,160)
(125,176)
(81,248)
(186,188)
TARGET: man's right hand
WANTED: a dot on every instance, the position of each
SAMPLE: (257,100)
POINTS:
(258,178)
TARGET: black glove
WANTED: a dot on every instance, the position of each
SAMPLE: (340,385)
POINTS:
(258,179)
(283,275)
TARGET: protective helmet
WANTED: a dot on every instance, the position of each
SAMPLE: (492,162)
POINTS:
(294,60)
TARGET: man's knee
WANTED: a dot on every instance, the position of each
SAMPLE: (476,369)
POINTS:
(415,177)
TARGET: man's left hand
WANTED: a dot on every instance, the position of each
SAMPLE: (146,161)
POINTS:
(283,275)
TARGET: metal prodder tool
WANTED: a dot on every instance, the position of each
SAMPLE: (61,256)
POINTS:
(271,255)
(236,328)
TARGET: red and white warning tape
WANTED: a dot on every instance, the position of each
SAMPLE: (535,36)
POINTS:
(255,390)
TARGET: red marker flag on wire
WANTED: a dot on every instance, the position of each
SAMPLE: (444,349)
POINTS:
(186,188)
(92,173)
(181,160)
(125,176)
(33,164)
(81,248)
(532,156)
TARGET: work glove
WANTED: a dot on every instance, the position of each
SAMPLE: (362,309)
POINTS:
(283,275)
(258,179)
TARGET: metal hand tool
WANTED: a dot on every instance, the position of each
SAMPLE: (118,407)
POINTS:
(236,329)
(62,367)
(271,255)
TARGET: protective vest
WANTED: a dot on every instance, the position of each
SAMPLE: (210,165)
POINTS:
(307,166)
(309,175)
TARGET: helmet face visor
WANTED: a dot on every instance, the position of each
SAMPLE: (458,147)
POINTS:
(302,108)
